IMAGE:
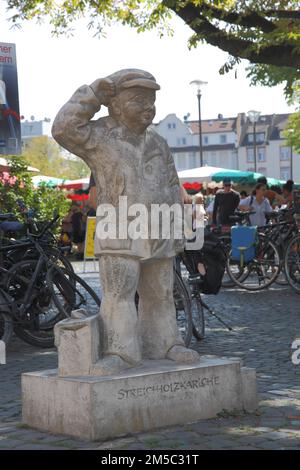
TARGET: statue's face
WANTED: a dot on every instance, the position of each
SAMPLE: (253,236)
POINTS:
(135,107)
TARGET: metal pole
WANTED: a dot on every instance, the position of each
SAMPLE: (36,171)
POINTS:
(291,164)
(254,146)
(200,127)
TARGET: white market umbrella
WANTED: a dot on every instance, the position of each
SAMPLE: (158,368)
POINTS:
(201,174)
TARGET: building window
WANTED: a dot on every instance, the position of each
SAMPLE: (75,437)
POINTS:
(205,140)
(169,126)
(261,154)
(223,139)
(183,141)
(285,173)
(259,137)
(193,160)
(250,154)
(285,153)
(174,125)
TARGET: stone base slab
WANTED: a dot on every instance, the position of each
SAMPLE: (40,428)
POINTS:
(156,394)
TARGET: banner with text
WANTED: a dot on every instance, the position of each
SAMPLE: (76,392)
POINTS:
(10,128)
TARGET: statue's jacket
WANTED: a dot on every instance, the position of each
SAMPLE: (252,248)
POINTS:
(123,164)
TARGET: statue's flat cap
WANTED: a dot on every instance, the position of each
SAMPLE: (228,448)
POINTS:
(135,78)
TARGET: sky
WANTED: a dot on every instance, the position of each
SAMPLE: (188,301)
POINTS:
(51,69)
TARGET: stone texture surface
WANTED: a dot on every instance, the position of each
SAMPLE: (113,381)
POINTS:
(148,397)
(78,345)
(131,165)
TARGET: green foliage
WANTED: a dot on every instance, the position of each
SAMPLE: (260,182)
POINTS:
(268,75)
(19,187)
(292,132)
(46,155)
(265,32)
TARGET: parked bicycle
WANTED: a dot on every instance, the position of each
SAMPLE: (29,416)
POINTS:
(262,268)
(39,290)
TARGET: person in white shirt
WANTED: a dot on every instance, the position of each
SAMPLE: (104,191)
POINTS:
(257,203)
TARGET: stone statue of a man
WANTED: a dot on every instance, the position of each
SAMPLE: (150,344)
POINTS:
(128,158)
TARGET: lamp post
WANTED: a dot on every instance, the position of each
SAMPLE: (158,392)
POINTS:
(199,84)
(253,118)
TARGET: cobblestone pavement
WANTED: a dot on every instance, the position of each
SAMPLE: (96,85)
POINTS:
(265,325)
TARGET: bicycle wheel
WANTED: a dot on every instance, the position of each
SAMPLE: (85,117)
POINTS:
(239,273)
(260,272)
(53,253)
(292,263)
(36,324)
(71,292)
(198,317)
(183,309)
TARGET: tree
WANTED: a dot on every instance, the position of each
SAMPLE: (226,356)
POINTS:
(47,156)
(265,32)
(292,132)
(17,185)
(42,153)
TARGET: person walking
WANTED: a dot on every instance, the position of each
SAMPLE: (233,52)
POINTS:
(226,202)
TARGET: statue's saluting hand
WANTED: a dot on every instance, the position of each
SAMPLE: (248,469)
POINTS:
(104,89)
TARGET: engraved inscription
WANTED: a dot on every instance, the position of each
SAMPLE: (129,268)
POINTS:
(185,385)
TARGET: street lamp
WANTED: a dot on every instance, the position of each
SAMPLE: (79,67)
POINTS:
(253,118)
(199,84)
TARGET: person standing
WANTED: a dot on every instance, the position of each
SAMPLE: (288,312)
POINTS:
(273,196)
(288,193)
(226,202)
(257,203)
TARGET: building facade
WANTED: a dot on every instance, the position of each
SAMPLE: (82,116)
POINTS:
(218,141)
(274,157)
(230,143)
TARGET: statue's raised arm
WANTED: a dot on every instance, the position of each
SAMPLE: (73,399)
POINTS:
(73,126)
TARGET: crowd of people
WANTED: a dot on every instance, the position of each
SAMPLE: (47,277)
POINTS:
(220,204)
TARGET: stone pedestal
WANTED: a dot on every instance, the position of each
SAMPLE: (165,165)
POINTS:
(151,396)
(74,400)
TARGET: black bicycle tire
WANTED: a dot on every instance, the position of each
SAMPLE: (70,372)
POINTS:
(29,335)
(199,335)
(228,284)
(76,279)
(252,289)
(185,297)
(286,267)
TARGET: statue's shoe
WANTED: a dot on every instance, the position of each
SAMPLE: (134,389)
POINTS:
(110,365)
(183,355)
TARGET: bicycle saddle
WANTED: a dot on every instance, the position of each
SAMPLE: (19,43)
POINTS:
(240,215)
